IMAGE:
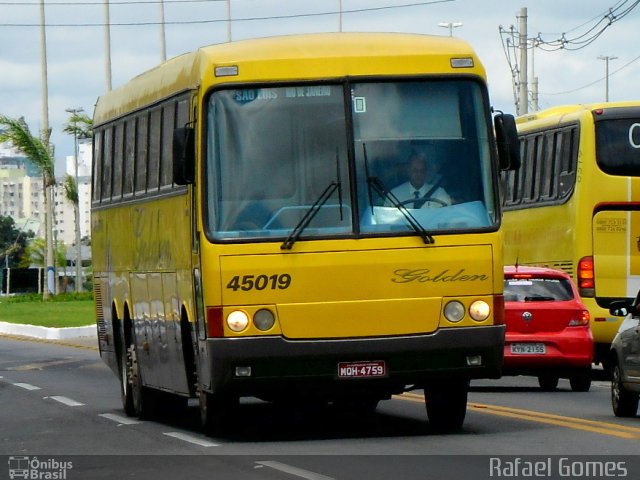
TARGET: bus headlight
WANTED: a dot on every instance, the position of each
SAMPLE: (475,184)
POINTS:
(479,310)
(237,320)
(263,319)
(454,311)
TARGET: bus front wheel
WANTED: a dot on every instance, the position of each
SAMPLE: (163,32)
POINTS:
(447,405)
(216,411)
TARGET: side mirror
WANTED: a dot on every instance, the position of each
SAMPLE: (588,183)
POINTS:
(184,159)
(507,140)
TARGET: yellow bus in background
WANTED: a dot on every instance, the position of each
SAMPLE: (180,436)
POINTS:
(246,243)
(575,204)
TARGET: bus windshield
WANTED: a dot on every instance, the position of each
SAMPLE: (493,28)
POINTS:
(401,157)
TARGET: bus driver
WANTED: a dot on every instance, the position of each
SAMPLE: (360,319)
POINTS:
(418,191)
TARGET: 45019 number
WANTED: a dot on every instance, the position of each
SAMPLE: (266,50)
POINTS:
(280,281)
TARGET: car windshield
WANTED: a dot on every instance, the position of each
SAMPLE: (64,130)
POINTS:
(293,162)
(537,289)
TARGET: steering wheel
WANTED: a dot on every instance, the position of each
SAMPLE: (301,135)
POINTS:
(422,201)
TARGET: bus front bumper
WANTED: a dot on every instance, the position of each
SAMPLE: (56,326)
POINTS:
(258,366)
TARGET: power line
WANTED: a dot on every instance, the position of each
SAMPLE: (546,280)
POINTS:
(595,81)
(243,19)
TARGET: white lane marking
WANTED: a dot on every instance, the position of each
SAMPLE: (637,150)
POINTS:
(27,386)
(66,401)
(188,438)
(298,472)
(119,419)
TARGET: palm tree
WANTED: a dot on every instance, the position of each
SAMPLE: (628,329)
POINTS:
(80,126)
(37,150)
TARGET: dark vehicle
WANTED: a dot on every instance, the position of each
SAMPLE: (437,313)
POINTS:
(625,359)
(548,333)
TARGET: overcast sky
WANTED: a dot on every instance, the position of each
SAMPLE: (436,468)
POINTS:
(76,46)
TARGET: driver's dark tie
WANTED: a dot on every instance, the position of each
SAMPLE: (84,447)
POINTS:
(416,195)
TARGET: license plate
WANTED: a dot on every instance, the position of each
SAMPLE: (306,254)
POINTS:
(362,369)
(528,348)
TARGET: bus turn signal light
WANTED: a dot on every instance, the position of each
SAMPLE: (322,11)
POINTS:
(586,277)
(214,322)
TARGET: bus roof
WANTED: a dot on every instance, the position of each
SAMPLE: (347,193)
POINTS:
(561,113)
(291,57)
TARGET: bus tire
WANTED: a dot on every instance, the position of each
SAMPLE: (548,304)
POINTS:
(447,406)
(548,383)
(581,381)
(141,400)
(126,388)
(623,402)
(217,412)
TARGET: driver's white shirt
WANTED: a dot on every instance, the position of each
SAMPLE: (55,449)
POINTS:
(405,192)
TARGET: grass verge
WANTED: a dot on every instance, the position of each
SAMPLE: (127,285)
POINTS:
(60,311)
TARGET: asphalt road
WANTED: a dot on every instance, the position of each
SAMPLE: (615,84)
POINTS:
(61,404)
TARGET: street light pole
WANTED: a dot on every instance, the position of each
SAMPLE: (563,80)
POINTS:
(606,59)
(450,26)
(74,120)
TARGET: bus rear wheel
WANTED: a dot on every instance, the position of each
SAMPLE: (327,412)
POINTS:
(136,398)
(126,387)
(447,405)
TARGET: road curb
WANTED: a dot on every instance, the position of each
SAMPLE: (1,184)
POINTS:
(47,333)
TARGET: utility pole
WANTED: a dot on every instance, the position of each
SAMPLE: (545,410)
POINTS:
(107,45)
(606,59)
(163,41)
(228,20)
(522,77)
(47,189)
(450,26)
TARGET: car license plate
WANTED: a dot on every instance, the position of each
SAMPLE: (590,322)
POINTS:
(528,348)
(362,369)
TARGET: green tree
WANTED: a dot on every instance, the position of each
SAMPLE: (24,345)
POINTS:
(12,242)
(39,152)
(34,254)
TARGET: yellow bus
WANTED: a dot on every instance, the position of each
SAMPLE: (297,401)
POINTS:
(575,204)
(246,242)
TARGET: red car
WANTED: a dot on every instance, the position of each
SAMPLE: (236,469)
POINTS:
(548,332)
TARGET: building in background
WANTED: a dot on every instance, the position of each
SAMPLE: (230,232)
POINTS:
(22,194)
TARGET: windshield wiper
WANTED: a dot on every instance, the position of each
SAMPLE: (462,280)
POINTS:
(315,208)
(385,193)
